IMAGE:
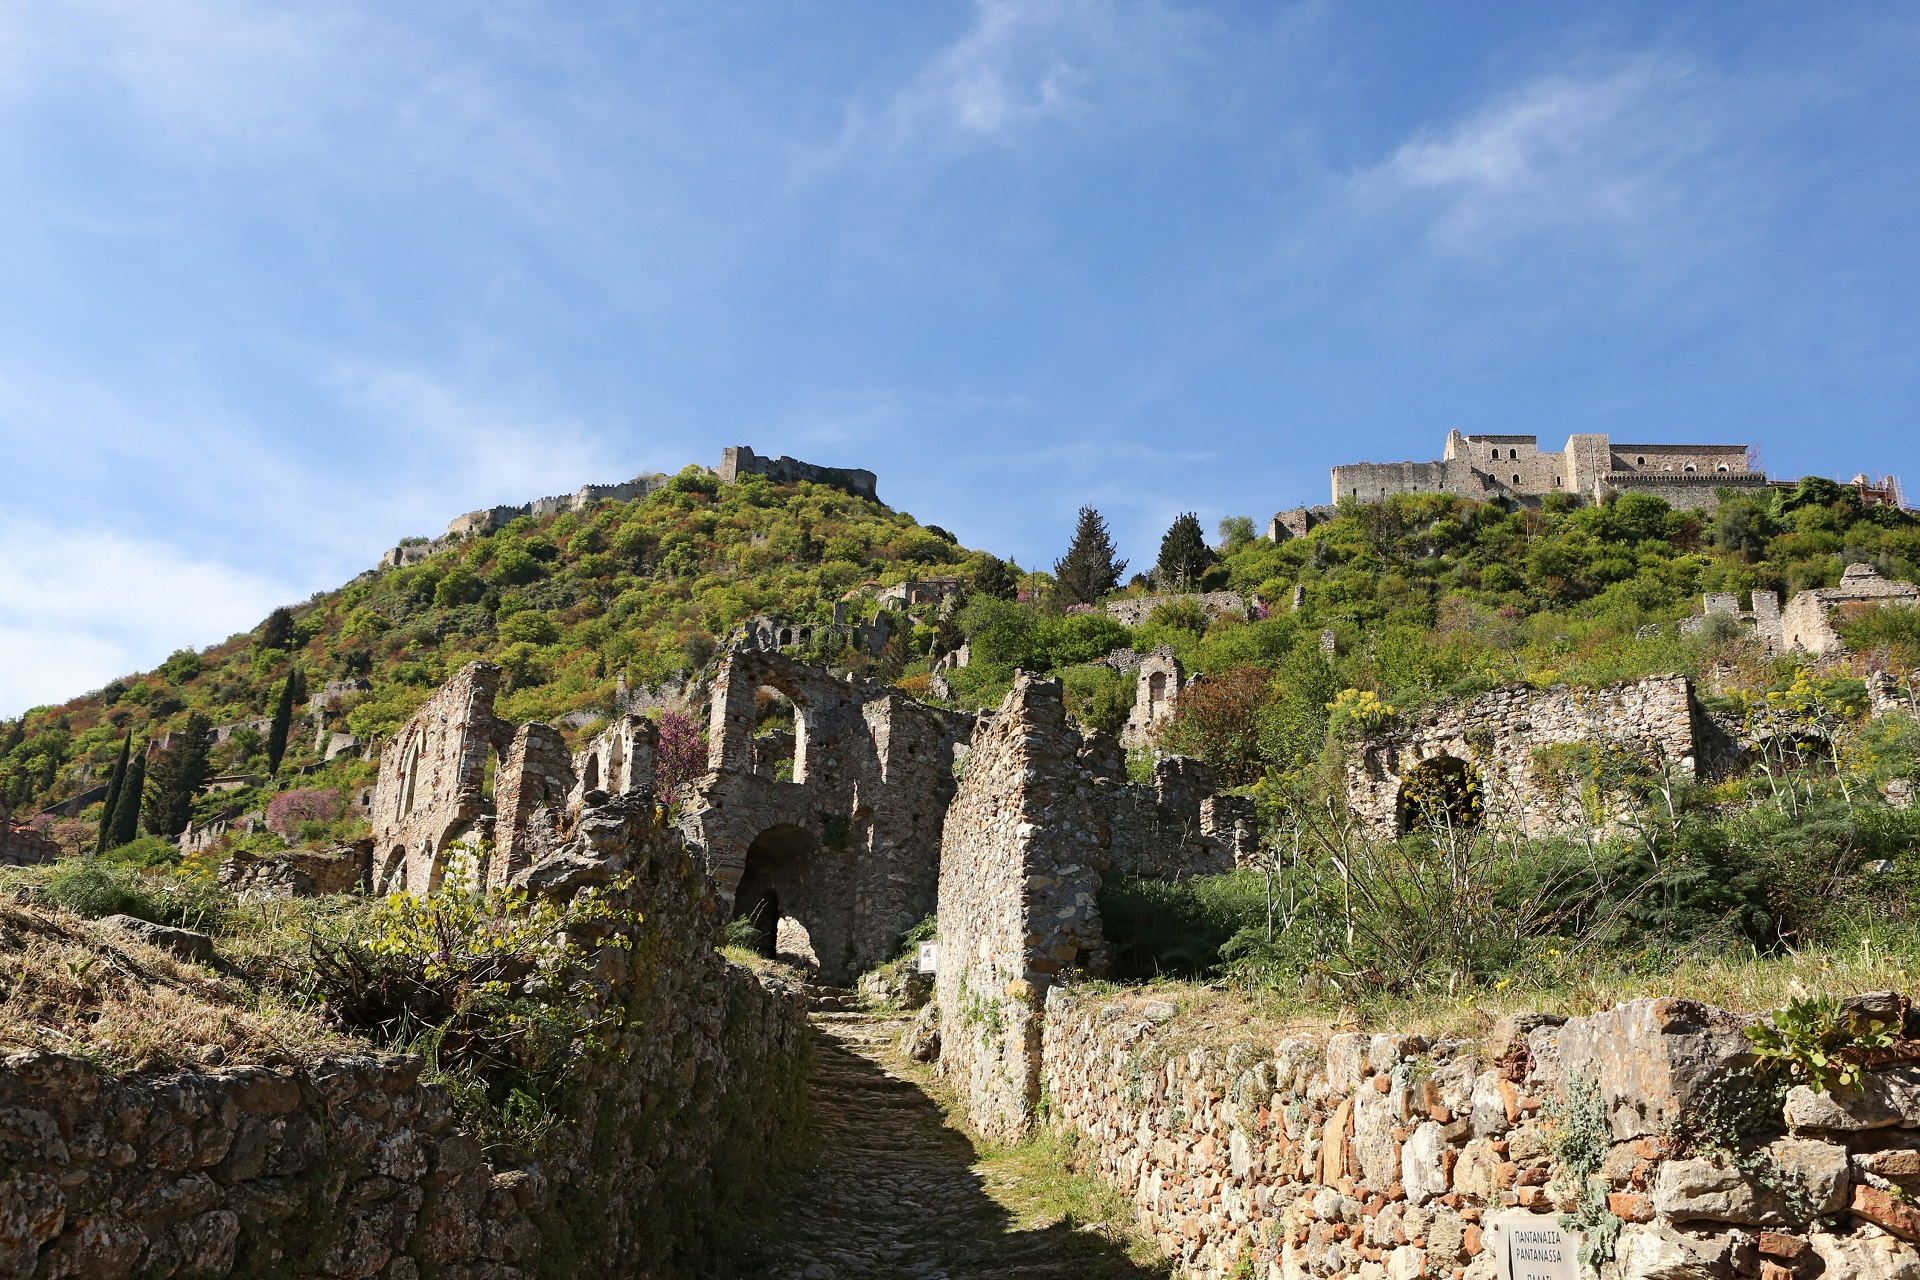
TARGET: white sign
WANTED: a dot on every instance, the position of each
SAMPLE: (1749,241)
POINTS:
(1534,1246)
(929,956)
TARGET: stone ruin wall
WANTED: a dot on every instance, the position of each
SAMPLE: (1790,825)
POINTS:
(848,849)
(1218,604)
(740,460)
(352,1168)
(1497,734)
(1042,812)
(428,795)
(23,846)
(1390,1156)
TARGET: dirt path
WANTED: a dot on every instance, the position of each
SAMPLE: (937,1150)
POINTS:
(897,1191)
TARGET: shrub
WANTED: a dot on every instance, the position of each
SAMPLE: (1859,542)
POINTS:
(288,811)
(1218,720)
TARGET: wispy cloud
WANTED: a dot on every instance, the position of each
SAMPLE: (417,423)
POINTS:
(1025,64)
(1618,150)
(80,606)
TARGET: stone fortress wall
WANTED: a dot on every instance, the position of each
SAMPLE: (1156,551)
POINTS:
(1590,467)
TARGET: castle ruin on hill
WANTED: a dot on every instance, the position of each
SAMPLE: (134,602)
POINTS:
(1590,467)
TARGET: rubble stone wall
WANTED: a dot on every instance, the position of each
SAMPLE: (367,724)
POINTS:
(1390,1157)
(1220,604)
(1043,813)
(353,1168)
(1807,623)
(429,791)
(1498,735)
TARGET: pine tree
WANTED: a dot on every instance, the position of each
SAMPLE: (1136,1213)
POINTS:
(114,786)
(996,578)
(123,825)
(1184,554)
(290,693)
(277,631)
(1088,570)
(177,776)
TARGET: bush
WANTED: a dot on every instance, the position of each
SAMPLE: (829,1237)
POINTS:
(289,811)
(93,888)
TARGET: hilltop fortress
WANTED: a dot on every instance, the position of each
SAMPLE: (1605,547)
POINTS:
(1590,467)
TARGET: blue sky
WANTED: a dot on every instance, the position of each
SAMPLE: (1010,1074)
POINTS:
(279,285)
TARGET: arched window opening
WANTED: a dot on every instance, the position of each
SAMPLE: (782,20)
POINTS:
(775,895)
(1440,794)
(786,636)
(1688,467)
(413,777)
(1512,454)
(1556,482)
(1722,467)
(1516,479)
(1639,462)
(779,735)
(1156,691)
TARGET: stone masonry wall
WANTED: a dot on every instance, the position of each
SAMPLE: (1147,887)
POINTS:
(1497,735)
(1390,1157)
(848,850)
(1042,813)
(739,460)
(352,1168)
(428,793)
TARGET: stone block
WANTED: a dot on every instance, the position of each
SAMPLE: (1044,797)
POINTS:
(185,943)
(1715,1189)
(1652,1059)
(1423,1170)
(1865,1257)
(1347,1060)
(1886,1099)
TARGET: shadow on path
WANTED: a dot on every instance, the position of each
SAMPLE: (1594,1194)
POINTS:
(893,1190)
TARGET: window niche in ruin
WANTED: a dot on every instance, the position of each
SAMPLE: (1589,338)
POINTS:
(1440,794)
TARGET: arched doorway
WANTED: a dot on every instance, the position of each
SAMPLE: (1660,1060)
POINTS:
(780,894)
(1440,793)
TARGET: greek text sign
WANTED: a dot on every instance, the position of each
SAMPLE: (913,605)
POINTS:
(1534,1246)
(929,956)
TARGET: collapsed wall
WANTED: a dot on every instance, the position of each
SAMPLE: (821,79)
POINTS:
(1393,1156)
(356,1168)
(1042,812)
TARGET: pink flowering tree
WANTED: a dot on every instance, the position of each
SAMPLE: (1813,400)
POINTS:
(286,811)
(682,757)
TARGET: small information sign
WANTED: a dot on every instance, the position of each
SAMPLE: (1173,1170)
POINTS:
(1534,1246)
(929,956)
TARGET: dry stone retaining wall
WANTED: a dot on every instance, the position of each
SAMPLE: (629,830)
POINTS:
(1388,1157)
(352,1168)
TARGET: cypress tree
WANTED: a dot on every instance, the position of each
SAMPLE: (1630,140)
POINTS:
(1088,570)
(125,824)
(177,776)
(1184,554)
(277,631)
(290,693)
(996,578)
(114,786)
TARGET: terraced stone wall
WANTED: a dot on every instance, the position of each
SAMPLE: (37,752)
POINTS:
(353,1168)
(1389,1157)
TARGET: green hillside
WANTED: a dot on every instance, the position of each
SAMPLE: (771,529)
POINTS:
(565,604)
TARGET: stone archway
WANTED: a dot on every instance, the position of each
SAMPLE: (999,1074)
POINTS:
(1440,793)
(783,892)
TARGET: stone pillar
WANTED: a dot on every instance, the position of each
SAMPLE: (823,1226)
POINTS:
(535,774)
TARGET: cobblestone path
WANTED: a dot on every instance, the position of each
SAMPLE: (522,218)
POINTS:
(896,1191)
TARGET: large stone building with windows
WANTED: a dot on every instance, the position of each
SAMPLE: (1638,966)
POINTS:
(1590,467)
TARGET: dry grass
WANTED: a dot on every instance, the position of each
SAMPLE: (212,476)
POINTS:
(73,986)
(1216,1017)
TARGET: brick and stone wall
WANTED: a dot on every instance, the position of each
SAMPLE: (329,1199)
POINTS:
(1393,1156)
(354,1168)
(1497,737)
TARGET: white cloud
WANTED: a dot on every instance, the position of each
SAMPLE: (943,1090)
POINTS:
(1622,151)
(81,606)
(1026,63)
